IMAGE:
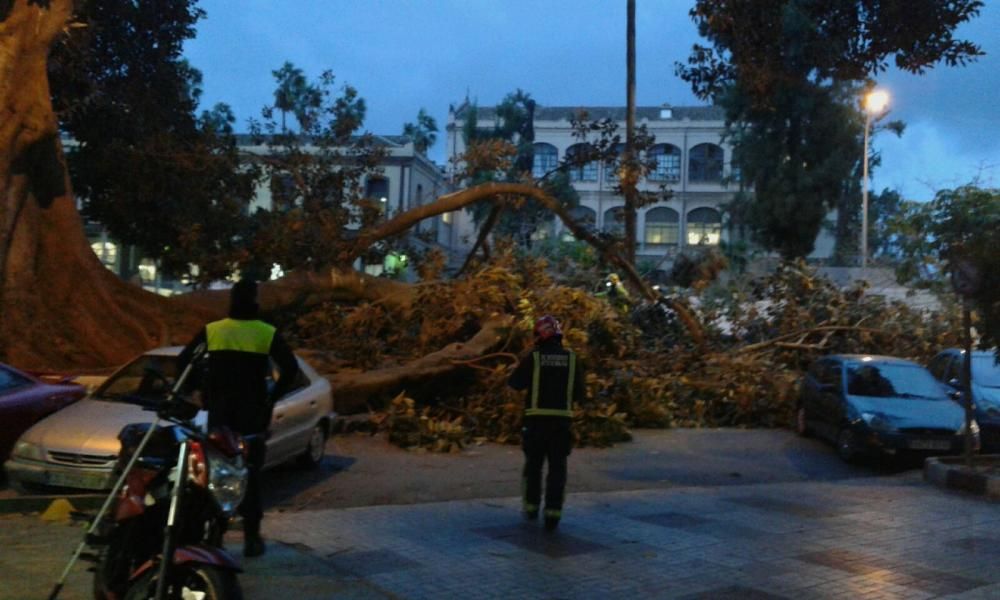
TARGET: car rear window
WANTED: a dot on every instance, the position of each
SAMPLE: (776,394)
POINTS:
(888,380)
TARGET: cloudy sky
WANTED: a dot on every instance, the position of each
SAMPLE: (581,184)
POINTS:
(403,55)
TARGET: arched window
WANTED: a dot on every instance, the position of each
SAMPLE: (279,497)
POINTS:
(585,171)
(704,227)
(667,161)
(584,216)
(705,163)
(614,221)
(546,159)
(662,226)
(611,166)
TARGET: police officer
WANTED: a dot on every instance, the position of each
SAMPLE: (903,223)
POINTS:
(554,378)
(239,349)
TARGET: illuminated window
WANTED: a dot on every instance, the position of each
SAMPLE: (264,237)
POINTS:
(107,252)
(704,227)
(662,226)
(147,270)
(667,160)
(546,159)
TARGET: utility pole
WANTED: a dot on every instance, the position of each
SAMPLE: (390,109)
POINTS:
(629,175)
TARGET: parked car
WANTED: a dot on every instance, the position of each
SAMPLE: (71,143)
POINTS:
(26,399)
(77,447)
(879,404)
(946,367)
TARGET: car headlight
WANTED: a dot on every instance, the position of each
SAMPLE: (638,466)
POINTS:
(878,422)
(227,481)
(29,451)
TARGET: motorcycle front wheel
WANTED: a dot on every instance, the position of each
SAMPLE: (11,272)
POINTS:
(196,582)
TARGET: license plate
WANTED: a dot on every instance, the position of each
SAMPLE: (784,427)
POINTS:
(930,445)
(90,481)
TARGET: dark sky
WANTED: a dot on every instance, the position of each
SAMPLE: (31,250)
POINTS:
(403,55)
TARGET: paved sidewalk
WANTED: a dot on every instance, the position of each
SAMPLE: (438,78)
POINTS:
(889,537)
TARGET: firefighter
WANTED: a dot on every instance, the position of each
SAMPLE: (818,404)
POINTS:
(553,377)
(239,352)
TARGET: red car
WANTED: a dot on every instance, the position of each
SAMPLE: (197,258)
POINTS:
(25,399)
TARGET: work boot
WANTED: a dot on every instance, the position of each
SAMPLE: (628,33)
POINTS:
(552,519)
(253,545)
(530,512)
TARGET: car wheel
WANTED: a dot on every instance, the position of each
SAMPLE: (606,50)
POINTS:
(847,445)
(316,448)
(801,423)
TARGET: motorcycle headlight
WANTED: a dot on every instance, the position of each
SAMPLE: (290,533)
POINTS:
(227,481)
(878,422)
(974,428)
(29,451)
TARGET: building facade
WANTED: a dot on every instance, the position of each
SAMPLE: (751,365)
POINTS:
(404,178)
(691,161)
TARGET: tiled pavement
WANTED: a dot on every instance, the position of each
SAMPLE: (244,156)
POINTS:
(890,537)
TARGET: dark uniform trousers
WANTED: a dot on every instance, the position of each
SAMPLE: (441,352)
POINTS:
(251,508)
(545,439)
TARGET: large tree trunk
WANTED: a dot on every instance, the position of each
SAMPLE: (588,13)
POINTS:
(59,307)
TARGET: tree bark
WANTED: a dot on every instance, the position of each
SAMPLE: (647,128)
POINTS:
(59,307)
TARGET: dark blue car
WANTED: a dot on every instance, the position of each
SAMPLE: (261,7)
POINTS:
(879,405)
(946,367)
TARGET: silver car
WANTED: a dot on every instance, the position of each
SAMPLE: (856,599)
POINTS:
(77,446)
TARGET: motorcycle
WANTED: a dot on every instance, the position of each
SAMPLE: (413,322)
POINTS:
(177,489)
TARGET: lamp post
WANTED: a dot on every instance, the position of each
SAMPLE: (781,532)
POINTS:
(874,103)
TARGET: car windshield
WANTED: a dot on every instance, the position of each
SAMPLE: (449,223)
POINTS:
(892,380)
(986,371)
(146,380)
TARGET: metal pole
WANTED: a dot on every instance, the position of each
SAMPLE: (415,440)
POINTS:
(864,197)
(967,379)
(121,478)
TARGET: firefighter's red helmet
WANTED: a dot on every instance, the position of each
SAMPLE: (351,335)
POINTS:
(546,328)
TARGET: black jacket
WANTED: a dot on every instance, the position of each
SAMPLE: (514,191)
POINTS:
(560,382)
(239,362)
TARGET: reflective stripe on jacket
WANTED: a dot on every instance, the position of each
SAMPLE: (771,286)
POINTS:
(563,407)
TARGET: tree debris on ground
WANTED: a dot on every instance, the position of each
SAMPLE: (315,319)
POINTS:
(643,369)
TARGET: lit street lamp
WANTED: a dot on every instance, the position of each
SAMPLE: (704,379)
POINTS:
(874,104)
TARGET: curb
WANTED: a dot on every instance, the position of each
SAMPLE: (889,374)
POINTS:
(950,473)
(33,504)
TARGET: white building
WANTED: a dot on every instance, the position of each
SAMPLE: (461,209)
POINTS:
(692,161)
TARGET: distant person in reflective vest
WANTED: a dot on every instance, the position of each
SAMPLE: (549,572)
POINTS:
(240,350)
(554,380)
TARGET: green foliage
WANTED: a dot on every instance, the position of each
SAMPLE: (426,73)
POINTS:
(423,133)
(144,165)
(840,41)
(962,224)
(317,177)
(296,95)
(790,95)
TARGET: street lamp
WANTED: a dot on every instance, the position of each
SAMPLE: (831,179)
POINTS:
(874,104)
